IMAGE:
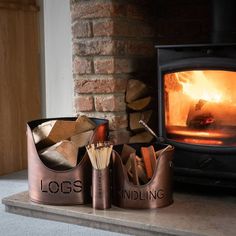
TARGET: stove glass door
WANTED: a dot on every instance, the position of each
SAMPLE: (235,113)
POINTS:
(200,107)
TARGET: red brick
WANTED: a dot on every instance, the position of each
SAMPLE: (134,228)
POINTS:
(82,65)
(112,65)
(132,29)
(121,27)
(74,48)
(103,27)
(110,103)
(84,103)
(119,47)
(123,65)
(140,48)
(96,9)
(82,29)
(135,12)
(104,65)
(96,84)
(95,46)
(99,46)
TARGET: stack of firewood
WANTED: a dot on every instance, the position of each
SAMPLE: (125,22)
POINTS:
(139,100)
(58,141)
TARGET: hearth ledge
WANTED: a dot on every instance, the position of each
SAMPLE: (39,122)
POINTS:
(189,215)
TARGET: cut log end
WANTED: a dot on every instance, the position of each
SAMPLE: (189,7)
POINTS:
(140,104)
(60,156)
(143,137)
(51,132)
(135,90)
(135,117)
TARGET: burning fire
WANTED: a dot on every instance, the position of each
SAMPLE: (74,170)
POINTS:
(200,106)
(196,85)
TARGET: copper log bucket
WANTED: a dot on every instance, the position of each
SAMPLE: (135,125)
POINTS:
(155,194)
(69,187)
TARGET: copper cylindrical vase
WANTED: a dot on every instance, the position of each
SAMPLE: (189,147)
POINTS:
(101,188)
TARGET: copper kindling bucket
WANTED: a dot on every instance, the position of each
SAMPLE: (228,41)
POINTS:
(67,187)
(154,194)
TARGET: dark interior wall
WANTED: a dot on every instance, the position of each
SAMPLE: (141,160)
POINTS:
(189,22)
(181,21)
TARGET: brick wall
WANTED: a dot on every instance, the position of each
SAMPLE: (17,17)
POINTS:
(112,41)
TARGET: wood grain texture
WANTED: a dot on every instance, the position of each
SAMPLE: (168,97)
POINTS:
(20,2)
(19,85)
(22,5)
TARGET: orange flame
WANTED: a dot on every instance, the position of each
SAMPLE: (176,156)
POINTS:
(203,141)
(196,85)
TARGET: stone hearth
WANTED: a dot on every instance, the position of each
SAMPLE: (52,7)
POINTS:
(189,215)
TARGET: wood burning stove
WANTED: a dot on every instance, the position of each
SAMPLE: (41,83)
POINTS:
(197,111)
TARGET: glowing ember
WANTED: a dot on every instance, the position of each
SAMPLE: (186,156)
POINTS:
(203,134)
(202,141)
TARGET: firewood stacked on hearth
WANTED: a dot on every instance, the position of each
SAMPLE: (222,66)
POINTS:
(139,107)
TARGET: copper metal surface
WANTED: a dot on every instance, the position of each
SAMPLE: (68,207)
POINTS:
(156,193)
(101,189)
(49,186)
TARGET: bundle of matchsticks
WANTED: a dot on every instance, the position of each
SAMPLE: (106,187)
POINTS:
(99,154)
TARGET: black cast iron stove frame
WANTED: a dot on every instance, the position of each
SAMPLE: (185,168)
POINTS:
(197,164)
